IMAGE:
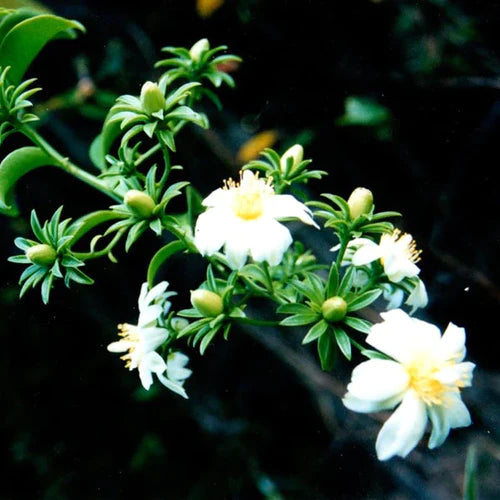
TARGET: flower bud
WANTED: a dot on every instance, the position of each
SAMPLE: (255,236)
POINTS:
(206,302)
(296,153)
(334,309)
(179,324)
(43,255)
(198,48)
(152,99)
(360,202)
(139,203)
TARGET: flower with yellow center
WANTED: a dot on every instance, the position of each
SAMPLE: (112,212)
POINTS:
(424,378)
(242,218)
(397,252)
(139,343)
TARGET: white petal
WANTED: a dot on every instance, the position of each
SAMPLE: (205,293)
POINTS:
(378,380)
(459,375)
(175,367)
(149,315)
(456,412)
(398,268)
(284,206)
(404,429)
(269,240)
(418,296)
(210,231)
(440,426)
(153,362)
(452,346)
(394,296)
(154,293)
(364,406)
(177,388)
(367,253)
(237,246)
(146,377)
(120,346)
(151,338)
(220,198)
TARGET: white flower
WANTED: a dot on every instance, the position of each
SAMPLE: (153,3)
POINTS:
(242,218)
(417,294)
(424,379)
(139,342)
(397,253)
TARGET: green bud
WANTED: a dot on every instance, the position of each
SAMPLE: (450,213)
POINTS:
(296,153)
(206,302)
(179,324)
(198,48)
(139,203)
(43,255)
(334,309)
(360,202)
(152,99)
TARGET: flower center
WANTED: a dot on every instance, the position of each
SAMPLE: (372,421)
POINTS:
(423,381)
(402,243)
(129,334)
(249,195)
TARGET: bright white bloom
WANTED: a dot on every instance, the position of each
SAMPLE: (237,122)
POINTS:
(424,379)
(397,253)
(140,341)
(242,218)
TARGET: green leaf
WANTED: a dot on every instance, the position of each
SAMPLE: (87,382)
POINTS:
(369,353)
(333,281)
(300,319)
(347,281)
(208,338)
(86,223)
(315,331)
(343,341)
(363,300)
(326,351)
(156,227)
(358,324)
(160,257)
(134,233)
(13,167)
(293,309)
(46,287)
(470,474)
(27,38)
(212,284)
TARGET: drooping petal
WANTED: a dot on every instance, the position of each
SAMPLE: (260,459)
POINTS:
(284,206)
(269,240)
(365,406)
(452,345)
(404,429)
(393,295)
(418,297)
(154,363)
(367,253)
(440,426)
(378,380)
(210,231)
(153,337)
(456,412)
(175,387)
(145,376)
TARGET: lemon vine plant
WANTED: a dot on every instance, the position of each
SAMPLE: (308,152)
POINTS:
(240,229)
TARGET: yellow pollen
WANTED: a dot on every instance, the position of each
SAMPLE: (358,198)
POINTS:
(249,195)
(406,243)
(129,334)
(423,381)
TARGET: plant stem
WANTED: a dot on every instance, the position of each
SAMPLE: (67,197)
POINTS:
(100,253)
(147,154)
(66,164)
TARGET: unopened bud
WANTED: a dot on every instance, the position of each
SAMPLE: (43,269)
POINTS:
(206,302)
(296,153)
(152,99)
(360,202)
(198,48)
(43,255)
(334,309)
(179,324)
(139,203)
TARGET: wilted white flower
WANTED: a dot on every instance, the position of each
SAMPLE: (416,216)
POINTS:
(242,218)
(397,252)
(424,379)
(139,342)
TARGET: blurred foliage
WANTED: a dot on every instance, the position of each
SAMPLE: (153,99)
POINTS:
(75,427)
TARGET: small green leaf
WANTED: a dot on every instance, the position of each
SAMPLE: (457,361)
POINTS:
(300,319)
(293,309)
(343,341)
(208,338)
(315,331)
(326,351)
(160,257)
(347,281)
(13,167)
(369,353)
(333,281)
(358,324)
(363,300)
(25,40)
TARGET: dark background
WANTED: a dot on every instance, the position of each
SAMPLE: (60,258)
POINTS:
(262,420)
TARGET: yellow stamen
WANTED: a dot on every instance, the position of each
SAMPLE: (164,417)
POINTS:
(249,195)
(405,242)
(129,334)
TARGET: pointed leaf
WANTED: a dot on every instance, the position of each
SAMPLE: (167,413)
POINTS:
(343,341)
(316,331)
